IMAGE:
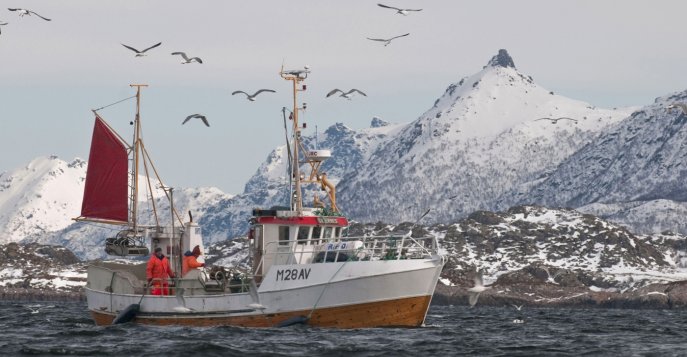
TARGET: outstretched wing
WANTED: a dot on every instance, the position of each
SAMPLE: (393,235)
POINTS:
(399,36)
(334,91)
(188,118)
(263,90)
(355,90)
(239,91)
(377,39)
(388,7)
(412,9)
(44,18)
(543,119)
(182,54)
(197,59)
(15,9)
(204,119)
(478,279)
(131,48)
(153,46)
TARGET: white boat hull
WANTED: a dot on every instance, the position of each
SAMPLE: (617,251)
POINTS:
(342,294)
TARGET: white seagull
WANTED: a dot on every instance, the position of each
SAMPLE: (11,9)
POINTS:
(142,53)
(24,12)
(386,41)
(678,105)
(201,117)
(403,12)
(346,95)
(555,120)
(186,59)
(477,289)
(517,307)
(252,97)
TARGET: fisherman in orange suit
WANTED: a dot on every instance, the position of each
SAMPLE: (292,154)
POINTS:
(190,261)
(157,272)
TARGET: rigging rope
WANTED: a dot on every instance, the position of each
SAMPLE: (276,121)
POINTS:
(109,105)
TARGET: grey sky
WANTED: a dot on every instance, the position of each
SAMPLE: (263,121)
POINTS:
(608,53)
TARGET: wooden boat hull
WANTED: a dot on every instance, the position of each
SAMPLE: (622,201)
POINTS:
(405,312)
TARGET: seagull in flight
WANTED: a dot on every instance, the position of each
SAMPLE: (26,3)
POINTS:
(346,95)
(186,59)
(387,42)
(142,53)
(517,307)
(555,120)
(252,97)
(24,12)
(678,105)
(403,12)
(477,289)
(201,117)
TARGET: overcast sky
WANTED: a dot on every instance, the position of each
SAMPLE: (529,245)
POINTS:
(608,53)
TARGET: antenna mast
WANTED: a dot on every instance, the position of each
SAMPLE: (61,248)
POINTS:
(296,77)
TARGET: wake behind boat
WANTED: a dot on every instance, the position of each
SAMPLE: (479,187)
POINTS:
(305,269)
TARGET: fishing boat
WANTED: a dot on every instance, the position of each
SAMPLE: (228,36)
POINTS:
(305,268)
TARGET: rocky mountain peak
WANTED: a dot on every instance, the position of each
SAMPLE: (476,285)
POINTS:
(502,59)
(378,123)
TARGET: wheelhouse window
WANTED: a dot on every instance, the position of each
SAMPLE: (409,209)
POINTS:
(303,233)
(283,235)
(337,232)
(327,234)
(316,234)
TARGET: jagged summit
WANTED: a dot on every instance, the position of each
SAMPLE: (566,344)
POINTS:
(502,59)
(378,123)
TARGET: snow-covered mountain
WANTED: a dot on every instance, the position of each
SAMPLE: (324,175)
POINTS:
(38,202)
(634,173)
(42,197)
(484,136)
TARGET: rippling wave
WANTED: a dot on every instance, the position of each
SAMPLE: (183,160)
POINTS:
(66,329)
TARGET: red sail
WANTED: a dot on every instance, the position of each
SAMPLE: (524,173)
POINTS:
(105,195)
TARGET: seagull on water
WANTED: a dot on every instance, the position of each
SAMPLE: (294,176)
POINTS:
(142,53)
(186,59)
(680,106)
(403,12)
(346,95)
(477,289)
(555,120)
(24,12)
(199,116)
(387,41)
(252,97)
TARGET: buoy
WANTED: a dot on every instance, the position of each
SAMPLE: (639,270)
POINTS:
(127,314)
(293,321)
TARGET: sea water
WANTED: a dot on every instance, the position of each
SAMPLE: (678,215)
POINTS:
(66,329)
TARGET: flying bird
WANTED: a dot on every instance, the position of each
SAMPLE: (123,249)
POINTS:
(555,120)
(387,42)
(346,95)
(403,12)
(186,59)
(142,53)
(477,289)
(252,97)
(678,105)
(201,117)
(517,307)
(24,12)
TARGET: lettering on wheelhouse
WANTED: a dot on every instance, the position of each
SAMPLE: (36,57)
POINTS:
(293,274)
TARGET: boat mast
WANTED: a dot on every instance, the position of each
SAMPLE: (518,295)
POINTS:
(295,77)
(134,170)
